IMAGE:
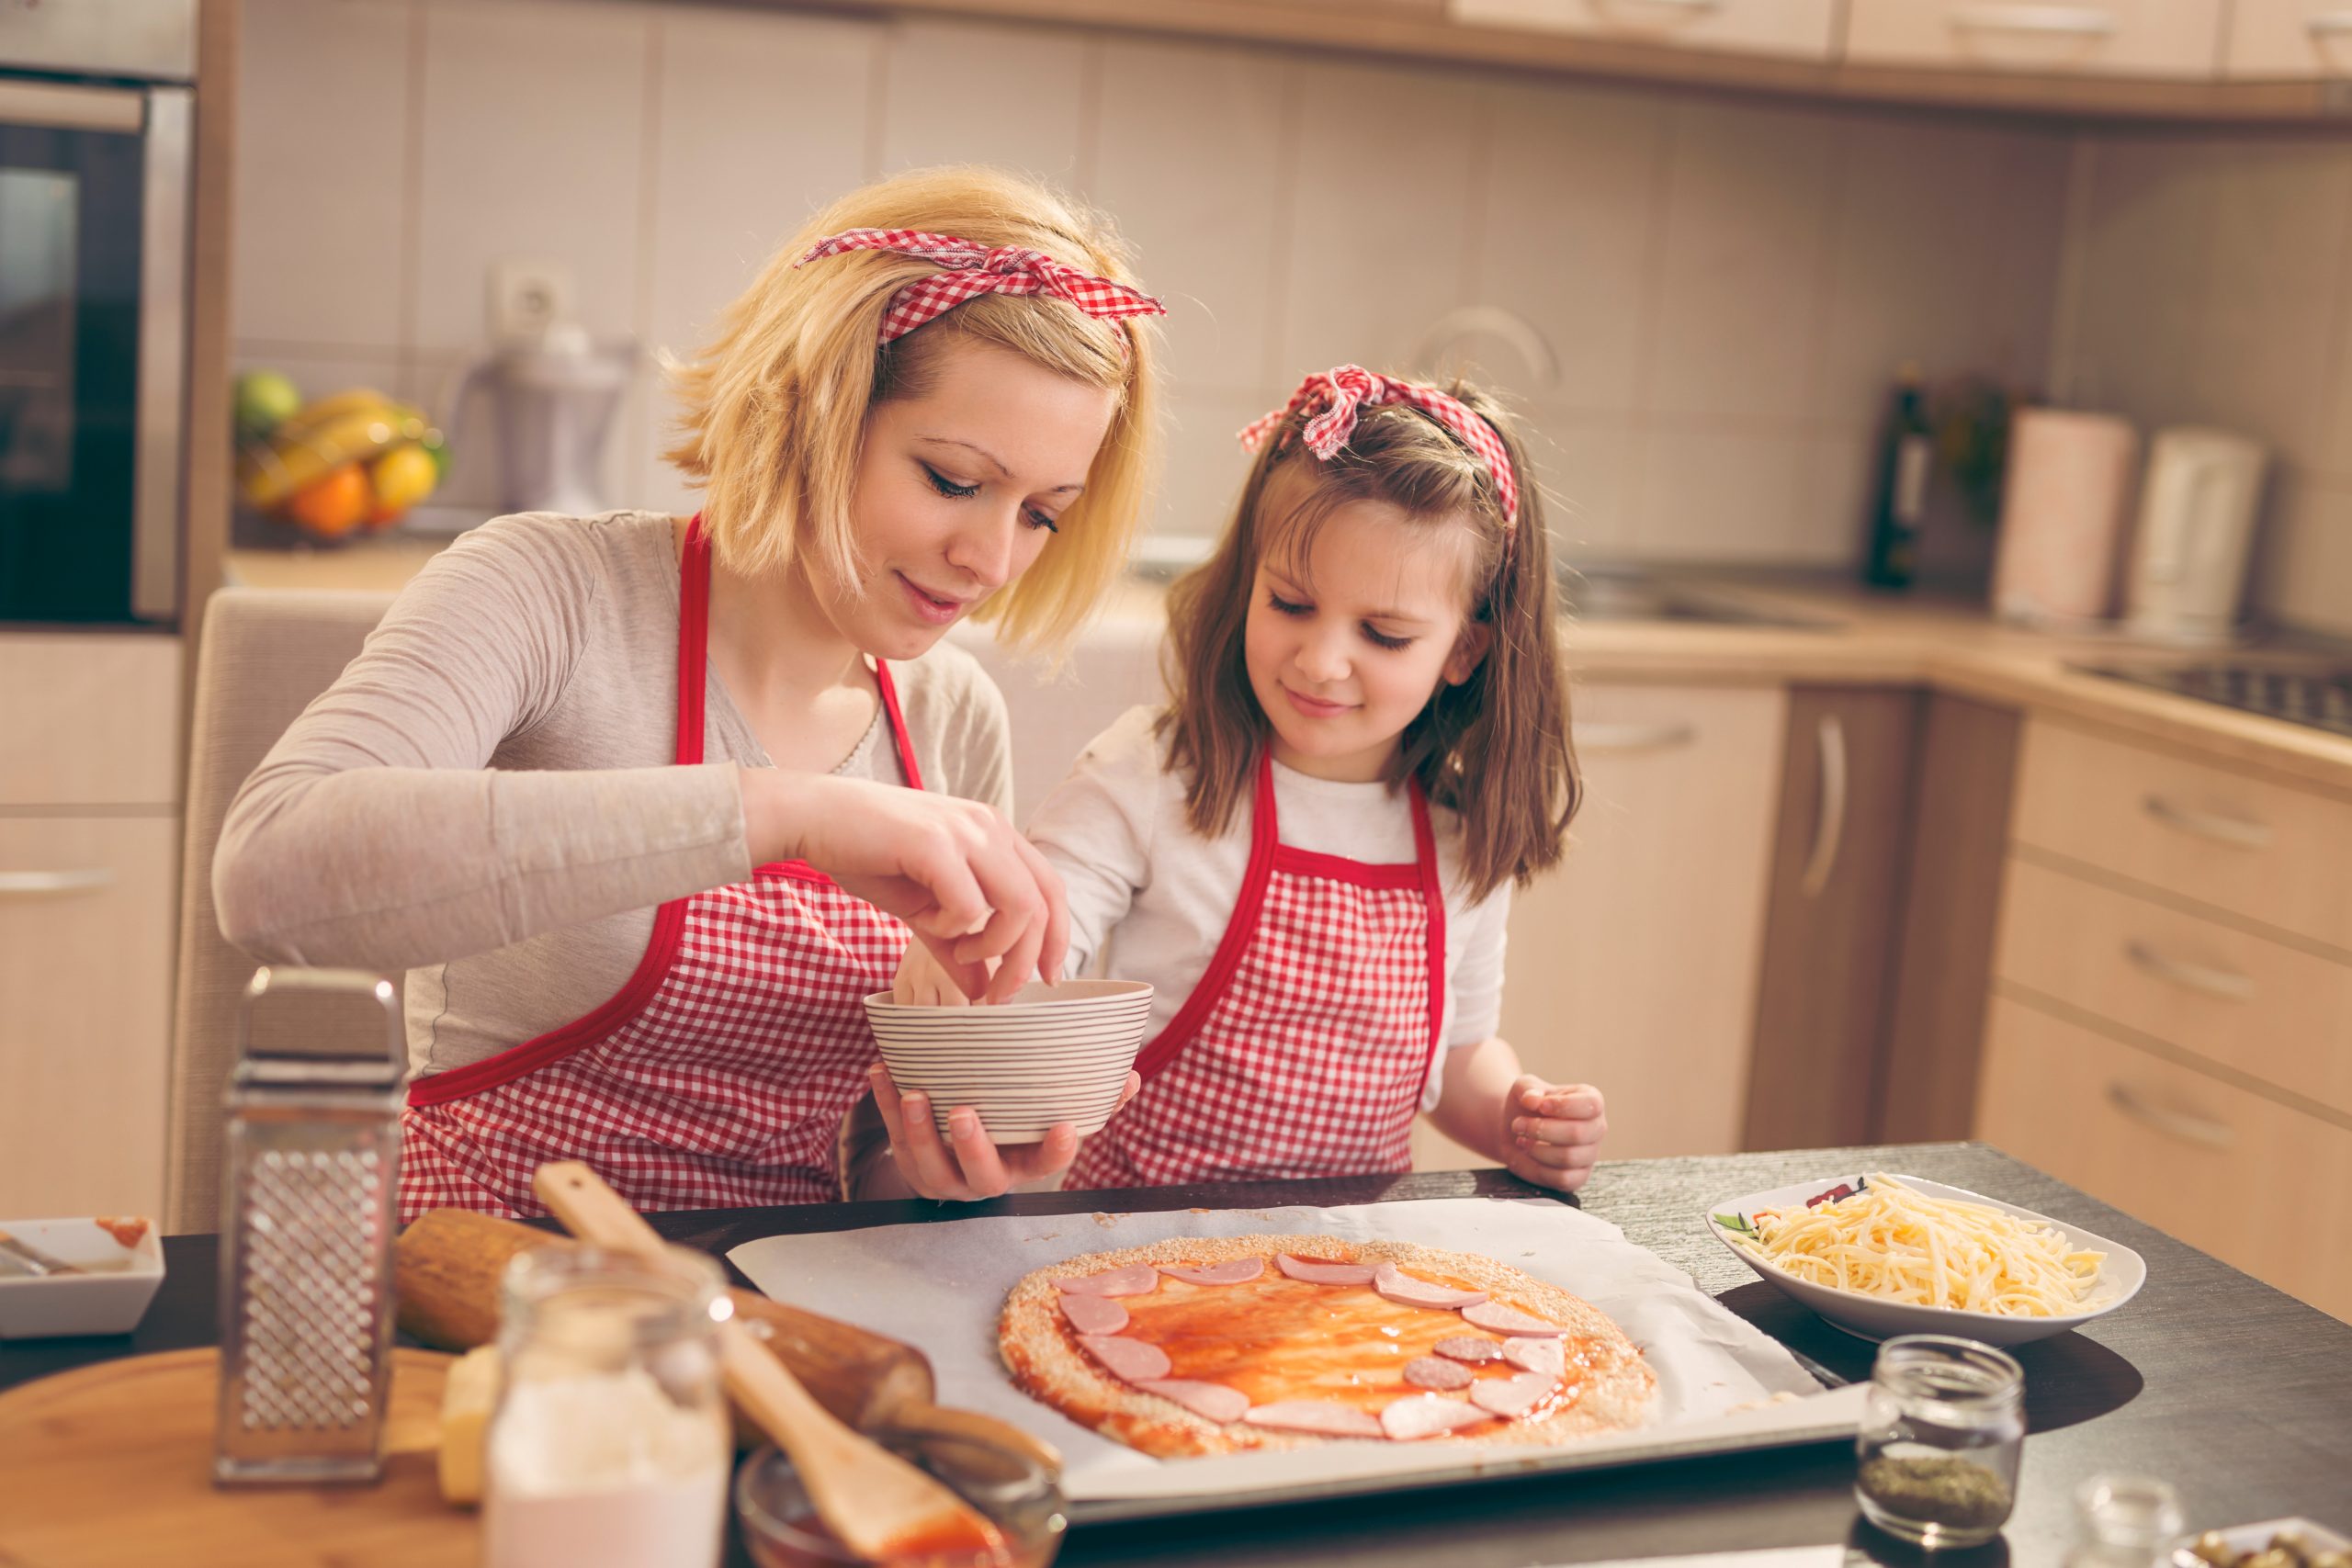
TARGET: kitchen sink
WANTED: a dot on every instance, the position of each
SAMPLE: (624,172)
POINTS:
(1619,593)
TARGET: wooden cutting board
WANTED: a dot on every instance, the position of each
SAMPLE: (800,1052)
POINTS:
(113,1464)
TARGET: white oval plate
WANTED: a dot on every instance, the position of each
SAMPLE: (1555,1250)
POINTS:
(2120,1274)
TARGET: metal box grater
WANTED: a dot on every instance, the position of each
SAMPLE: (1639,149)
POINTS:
(309,1189)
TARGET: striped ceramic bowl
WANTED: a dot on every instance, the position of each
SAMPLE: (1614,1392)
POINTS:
(1057,1053)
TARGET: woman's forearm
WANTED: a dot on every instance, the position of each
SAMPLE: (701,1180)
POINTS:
(391,868)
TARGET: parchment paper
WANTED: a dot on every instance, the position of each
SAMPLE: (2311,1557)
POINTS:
(940,1287)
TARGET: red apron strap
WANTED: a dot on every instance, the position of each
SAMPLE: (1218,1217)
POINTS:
(1265,836)
(694,640)
(1433,899)
(898,725)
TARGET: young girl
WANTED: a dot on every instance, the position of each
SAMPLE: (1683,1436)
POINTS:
(1309,851)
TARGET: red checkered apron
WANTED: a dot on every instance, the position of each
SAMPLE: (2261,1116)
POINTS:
(719,1074)
(1304,1047)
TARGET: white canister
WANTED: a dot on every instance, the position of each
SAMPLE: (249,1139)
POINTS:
(2063,508)
(2196,513)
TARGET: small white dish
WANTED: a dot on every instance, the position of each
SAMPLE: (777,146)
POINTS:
(1051,1055)
(2121,1273)
(2257,1536)
(109,1299)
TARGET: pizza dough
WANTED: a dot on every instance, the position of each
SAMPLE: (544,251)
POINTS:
(1289,1341)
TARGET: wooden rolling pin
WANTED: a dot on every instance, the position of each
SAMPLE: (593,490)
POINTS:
(448,1265)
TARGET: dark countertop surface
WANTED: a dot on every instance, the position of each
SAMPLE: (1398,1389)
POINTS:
(2237,1395)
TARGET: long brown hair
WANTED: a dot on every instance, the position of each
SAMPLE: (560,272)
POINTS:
(1495,749)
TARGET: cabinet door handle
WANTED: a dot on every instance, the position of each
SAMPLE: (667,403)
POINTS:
(2071,21)
(1829,823)
(2235,831)
(2327,24)
(2180,1125)
(52,883)
(1663,736)
(2227,984)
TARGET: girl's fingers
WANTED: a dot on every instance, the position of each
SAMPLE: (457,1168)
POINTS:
(1543,1130)
(983,1173)
(1560,1157)
(963,981)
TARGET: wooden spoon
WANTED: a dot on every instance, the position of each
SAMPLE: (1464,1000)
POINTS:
(878,1504)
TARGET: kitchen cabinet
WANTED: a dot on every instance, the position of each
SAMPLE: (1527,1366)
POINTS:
(89,830)
(1830,926)
(1633,965)
(2260,1186)
(2288,39)
(2135,37)
(1804,29)
(2172,1000)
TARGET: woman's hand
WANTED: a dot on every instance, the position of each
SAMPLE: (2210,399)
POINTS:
(1551,1132)
(975,1168)
(972,888)
(922,981)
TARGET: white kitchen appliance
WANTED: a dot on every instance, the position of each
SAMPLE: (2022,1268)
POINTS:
(2196,512)
(552,399)
(2064,506)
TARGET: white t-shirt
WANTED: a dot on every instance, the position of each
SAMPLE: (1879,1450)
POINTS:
(1151,898)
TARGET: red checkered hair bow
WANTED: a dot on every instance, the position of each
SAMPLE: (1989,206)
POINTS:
(1332,399)
(971,270)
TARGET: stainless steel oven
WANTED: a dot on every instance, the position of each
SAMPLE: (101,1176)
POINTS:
(97,105)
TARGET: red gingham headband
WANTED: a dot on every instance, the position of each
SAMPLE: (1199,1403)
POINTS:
(1333,399)
(974,269)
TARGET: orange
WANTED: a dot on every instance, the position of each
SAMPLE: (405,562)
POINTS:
(333,503)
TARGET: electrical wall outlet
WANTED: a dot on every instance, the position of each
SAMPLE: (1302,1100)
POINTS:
(526,298)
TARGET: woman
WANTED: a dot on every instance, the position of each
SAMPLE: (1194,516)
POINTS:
(645,805)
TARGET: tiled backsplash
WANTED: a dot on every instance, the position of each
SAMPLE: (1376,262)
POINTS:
(1727,284)
(2209,281)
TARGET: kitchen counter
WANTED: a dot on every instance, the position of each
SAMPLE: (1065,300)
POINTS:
(2237,1395)
(1856,638)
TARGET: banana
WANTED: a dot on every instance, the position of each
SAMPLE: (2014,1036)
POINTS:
(312,416)
(270,471)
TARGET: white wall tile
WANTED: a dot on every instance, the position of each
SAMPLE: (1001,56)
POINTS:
(2150,206)
(534,130)
(321,173)
(1190,159)
(2306,572)
(1382,208)
(1581,464)
(1201,463)
(981,93)
(1724,494)
(1944,252)
(1568,226)
(1746,223)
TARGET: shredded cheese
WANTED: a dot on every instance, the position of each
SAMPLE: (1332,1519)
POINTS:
(1893,1241)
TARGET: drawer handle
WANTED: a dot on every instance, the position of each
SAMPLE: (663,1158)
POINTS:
(1633,737)
(1830,826)
(52,883)
(2227,984)
(2203,1130)
(2327,24)
(2235,831)
(2072,21)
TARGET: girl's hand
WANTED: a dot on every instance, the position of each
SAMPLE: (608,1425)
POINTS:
(975,1168)
(1551,1132)
(972,888)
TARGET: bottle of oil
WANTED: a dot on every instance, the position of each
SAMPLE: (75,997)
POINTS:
(1899,499)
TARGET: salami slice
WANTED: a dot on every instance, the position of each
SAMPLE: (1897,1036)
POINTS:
(1429,1371)
(1475,1348)
(1135,1279)
(1239,1271)
(1209,1401)
(1512,1397)
(1548,1356)
(1319,1271)
(1317,1416)
(1420,1415)
(1094,1315)
(1403,1289)
(1507,1320)
(1136,1360)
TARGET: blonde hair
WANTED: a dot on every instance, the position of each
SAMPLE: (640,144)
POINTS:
(774,408)
(1495,749)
